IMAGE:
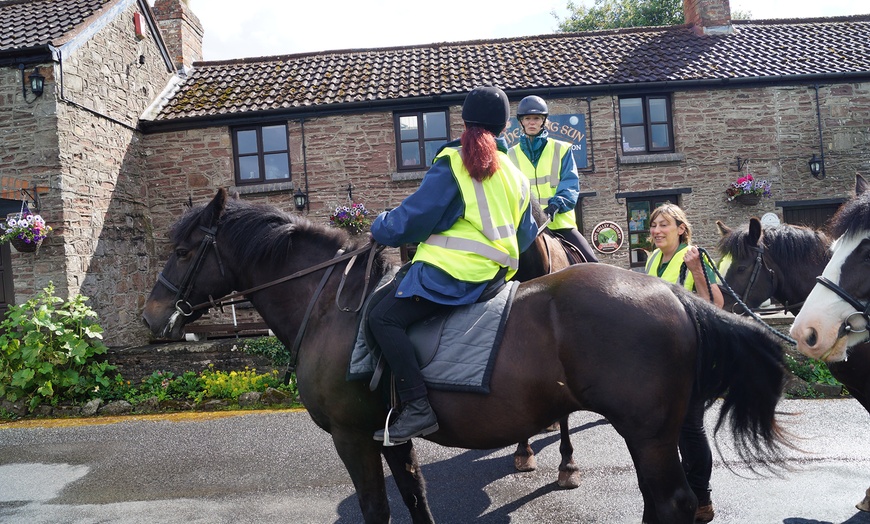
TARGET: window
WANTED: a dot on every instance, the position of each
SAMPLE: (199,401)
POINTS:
(261,154)
(640,244)
(418,137)
(646,125)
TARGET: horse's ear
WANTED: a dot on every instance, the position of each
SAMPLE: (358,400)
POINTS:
(723,229)
(754,230)
(213,211)
(234,195)
(860,184)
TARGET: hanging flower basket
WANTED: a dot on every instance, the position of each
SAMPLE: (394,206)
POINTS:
(25,231)
(748,199)
(23,246)
(353,219)
(747,190)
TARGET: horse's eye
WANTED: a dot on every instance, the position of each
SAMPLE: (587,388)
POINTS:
(180,252)
(741,269)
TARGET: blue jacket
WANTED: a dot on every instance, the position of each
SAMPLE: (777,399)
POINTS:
(433,208)
(568,189)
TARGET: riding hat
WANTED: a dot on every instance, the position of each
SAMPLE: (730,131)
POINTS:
(486,106)
(532,105)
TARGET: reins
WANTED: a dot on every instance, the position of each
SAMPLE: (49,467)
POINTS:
(372,247)
(730,291)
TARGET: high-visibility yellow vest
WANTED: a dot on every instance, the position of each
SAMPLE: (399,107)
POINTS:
(545,177)
(484,239)
(672,272)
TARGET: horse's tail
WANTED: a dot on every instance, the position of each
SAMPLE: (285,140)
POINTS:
(743,363)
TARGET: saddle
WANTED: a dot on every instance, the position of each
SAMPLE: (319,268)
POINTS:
(575,256)
(473,330)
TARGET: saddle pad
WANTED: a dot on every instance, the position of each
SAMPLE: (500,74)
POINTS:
(466,350)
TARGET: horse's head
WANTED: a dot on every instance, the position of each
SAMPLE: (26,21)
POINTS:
(193,273)
(744,266)
(836,313)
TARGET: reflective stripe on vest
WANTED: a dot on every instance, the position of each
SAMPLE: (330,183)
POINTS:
(483,240)
(672,272)
(545,184)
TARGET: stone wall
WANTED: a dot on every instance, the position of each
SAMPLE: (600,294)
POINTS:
(79,139)
(774,127)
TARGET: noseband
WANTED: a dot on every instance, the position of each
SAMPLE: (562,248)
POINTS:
(861,310)
(182,291)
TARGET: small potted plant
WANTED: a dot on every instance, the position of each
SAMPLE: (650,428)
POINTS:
(25,231)
(748,191)
(353,219)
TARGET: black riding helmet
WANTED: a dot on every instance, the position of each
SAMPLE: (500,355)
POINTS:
(487,107)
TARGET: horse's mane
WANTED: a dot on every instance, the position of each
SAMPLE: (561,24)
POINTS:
(261,233)
(790,246)
(853,217)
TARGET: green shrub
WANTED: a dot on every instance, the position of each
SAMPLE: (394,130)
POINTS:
(269,347)
(47,351)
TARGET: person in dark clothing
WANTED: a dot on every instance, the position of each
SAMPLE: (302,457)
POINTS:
(472,218)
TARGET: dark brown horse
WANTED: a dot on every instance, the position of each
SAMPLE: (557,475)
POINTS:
(782,263)
(589,337)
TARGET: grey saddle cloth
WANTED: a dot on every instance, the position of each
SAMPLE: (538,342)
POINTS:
(456,351)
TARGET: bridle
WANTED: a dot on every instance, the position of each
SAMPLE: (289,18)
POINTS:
(861,310)
(182,291)
(756,270)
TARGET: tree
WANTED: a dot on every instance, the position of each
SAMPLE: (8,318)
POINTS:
(613,14)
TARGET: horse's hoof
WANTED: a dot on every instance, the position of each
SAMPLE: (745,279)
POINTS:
(569,479)
(529,463)
(864,505)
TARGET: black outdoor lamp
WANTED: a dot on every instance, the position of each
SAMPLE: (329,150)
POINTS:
(300,199)
(817,166)
(37,82)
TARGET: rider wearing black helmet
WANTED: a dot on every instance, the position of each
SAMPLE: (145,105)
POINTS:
(472,217)
(550,166)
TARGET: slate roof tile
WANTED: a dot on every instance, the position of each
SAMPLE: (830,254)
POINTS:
(33,23)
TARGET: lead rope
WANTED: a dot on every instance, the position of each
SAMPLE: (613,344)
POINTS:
(731,292)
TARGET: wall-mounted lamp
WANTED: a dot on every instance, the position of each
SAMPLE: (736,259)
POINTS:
(350,192)
(817,166)
(35,80)
(300,199)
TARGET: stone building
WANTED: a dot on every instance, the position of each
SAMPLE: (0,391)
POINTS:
(132,124)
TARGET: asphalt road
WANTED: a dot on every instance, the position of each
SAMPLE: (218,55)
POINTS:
(278,467)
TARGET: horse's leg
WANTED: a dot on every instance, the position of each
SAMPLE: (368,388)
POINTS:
(361,456)
(569,473)
(667,497)
(524,457)
(402,460)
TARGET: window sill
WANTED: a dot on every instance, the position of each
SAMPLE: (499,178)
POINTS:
(273,187)
(652,159)
(404,176)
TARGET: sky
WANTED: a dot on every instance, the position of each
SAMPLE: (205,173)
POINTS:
(254,28)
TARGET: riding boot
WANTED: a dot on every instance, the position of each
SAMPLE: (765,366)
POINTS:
(416,419)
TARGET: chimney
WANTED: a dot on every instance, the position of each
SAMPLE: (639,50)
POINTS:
(708,16)
(182,31)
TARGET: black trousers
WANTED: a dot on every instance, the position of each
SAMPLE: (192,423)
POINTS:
(388,322)
(695,451)
(579,241)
